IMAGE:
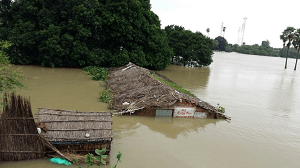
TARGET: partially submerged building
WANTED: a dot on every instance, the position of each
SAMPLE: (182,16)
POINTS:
(137,92)
(76,132)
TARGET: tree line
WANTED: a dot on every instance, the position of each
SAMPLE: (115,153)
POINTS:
(106,33)
(264,49)
(291,46)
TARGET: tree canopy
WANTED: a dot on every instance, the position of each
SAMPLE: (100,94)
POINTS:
(222,43)
(84,32)
(9,79)
(193,49)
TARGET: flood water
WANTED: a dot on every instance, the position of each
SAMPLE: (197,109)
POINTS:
(258,93)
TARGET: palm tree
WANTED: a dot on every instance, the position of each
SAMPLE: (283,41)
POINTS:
(207,30)
(296,44)
(287,35)
(224,28)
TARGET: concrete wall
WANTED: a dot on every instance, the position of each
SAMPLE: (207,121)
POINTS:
(151,112)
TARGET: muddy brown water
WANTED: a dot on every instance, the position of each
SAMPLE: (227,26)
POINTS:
(258,93)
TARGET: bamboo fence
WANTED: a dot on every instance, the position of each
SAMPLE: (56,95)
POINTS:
(19,139)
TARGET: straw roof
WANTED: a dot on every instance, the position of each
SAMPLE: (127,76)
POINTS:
(67,127)
(135,88)
(19,138)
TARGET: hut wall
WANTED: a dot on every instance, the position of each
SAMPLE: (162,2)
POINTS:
(19,139)
(209,113)
(84,147)
(146,112)
(152,111)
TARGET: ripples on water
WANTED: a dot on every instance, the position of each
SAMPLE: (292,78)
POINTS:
(258,93)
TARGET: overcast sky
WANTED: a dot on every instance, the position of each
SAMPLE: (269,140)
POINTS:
(266,19)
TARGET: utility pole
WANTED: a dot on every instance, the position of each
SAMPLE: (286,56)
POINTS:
(238,38)
(243,30)
(221,29)
(241,33)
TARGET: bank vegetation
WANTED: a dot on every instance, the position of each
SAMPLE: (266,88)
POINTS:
(79,33)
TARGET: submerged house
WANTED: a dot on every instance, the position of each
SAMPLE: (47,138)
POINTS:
(76,132)
(137,91)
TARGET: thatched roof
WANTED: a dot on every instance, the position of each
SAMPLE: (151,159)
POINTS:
(64,126)
(19,139)
(135,88)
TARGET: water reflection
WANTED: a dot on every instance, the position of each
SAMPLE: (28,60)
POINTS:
(61,88)
(284,94)
(168,126)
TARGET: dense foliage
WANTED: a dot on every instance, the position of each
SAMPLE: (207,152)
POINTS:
(9,79)
(97,73)
(84,33)
(193,49)
(222,43)
(292,52)
(264,49)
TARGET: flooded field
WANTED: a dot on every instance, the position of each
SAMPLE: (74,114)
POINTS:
(258,93)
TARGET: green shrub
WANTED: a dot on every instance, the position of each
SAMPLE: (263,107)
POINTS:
(106,96)
(220,109)
(97,73)
(100,158)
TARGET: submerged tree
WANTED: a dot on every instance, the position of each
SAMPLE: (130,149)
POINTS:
(193,49)
(85,32)
(287,36)
(296,44)
(222,43)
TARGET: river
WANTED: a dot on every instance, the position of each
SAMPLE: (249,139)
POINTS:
(258,93)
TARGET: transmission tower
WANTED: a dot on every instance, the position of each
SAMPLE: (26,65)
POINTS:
(221,29)
(241,33)
(238,38)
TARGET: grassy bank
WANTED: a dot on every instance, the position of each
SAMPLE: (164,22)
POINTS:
(173,85)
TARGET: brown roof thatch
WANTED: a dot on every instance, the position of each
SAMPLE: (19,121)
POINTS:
(135,88)
(19,138)
(67,127)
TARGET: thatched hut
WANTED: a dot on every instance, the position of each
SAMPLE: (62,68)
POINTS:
(136,91)
(19,139)
(76,132)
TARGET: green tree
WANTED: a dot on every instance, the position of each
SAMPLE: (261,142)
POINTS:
(234,47)
(292,52)
(216,43)
(9,79)
(265,44)
(193,49)
(296,44)
(287,36)
(224,28)
(222,43)
(207,30)
(264,49)
(86,33)
(5,16)
(229,48)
